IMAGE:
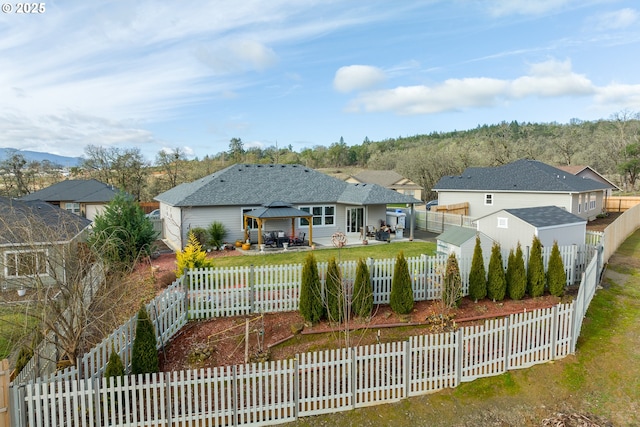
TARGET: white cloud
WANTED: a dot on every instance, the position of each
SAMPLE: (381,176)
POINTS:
(617,96)
(522,7)
(547,79)
(357,77)
(616,20)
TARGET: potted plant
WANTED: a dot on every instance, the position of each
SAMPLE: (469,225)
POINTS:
(365,242)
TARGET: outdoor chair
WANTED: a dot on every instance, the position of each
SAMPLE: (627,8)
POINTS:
(269,239)
(299,240)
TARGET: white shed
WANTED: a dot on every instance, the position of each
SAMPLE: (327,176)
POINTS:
(462,241)
(549,223)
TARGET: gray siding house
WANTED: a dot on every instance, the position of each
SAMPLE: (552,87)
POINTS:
(227,195)
(522,184)
(548,223)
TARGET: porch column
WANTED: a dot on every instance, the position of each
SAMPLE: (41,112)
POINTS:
(413,221)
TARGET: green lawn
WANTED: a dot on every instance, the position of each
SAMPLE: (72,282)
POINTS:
(378,251)
(14,325)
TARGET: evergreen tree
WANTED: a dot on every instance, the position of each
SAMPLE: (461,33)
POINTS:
(496,282)
(517,282)
(535,273)
(362,304)
(477,274)
(556,277)
(193,256)
(511,260)
(311,307)
(333,292)
(452,288)
(401,299)
(114,367)
(144,354)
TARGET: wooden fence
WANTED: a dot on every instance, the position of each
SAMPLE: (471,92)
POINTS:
(309,384)
(621,203)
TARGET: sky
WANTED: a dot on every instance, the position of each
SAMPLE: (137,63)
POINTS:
(160,75)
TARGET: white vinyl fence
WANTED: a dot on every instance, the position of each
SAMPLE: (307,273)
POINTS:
(311,383)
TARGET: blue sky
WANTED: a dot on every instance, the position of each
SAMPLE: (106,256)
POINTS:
(159,75)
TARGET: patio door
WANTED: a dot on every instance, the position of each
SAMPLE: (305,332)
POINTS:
(355,219)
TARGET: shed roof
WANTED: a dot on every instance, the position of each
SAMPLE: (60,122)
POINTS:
(546,216)
(278,210)
(457,235)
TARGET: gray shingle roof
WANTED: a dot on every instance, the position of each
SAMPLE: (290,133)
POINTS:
(75,190)
(457,235)
(521,175)
(251,184)
(37,221)
(545,216)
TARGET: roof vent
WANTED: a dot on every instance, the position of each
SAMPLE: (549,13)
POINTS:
(283,166)
(222,180)
(306,170)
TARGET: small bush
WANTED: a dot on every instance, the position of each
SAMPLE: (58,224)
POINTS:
(311,307)
(452,288)
(144,354)
(217,232)
(477,274)
(192,256)
(334,293)
(362,304)
(201,235)
(556,277)
(517,276)
(114,367)
(25,354)
(535,273)
(496,282)
(401,299)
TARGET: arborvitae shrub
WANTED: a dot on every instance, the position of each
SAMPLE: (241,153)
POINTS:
(401,299)
(362,303)
(556,277)
(333,292)
(517,282)
(144,355)
(193,256)
(311,306)
(114,367)
(496,282)
(477,274)
(452,288)
(535,274)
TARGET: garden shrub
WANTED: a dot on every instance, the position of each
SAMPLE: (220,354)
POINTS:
(144,354)
(401,299)
(477,274)
(25,354)
(556,276)
(311,306)
(452,288)
(201,235)
(535,274)
(114,367)
(496,281)
(217,232)
(333,292)
(193,256)
(362,303)
(517,276)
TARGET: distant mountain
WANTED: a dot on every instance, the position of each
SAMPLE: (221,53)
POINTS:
(39,157)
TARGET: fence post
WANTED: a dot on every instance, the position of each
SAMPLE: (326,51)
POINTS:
(167,397)
(407,368)
(18,410)
(95,381)
(554,331)
(354,370)
(507,343)
(235,395)
(296,387)
(186,285)
(252,296)
(460,348)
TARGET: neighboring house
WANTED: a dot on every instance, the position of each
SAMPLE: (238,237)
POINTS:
(521,184)
(388,179)
(549,223)
(228,195)
(36,239)
(588,172)
(462,242)
(84,197)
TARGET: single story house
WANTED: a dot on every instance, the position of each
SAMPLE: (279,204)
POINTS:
(548,223)
(37,239)
(84,197)
(388,179)
(522,184)
(462,242)
(229,195)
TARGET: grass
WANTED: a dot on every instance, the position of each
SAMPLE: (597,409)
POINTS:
(379,251)
(14,326)
(601,380)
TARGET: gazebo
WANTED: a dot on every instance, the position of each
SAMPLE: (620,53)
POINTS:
(279,211)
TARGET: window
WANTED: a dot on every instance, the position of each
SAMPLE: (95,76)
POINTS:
(21,264)
(251,222)
(322,215)
(503,222)
(488,199)
(72,207)
(592,201)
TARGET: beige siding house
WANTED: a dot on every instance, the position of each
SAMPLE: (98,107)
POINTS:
(227,195)
(522,184)
(388,179)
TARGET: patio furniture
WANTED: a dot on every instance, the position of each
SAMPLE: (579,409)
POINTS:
(299,240)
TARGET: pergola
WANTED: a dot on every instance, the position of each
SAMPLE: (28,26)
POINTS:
(279,211)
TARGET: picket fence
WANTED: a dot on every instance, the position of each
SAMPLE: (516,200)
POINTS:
(309,384)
